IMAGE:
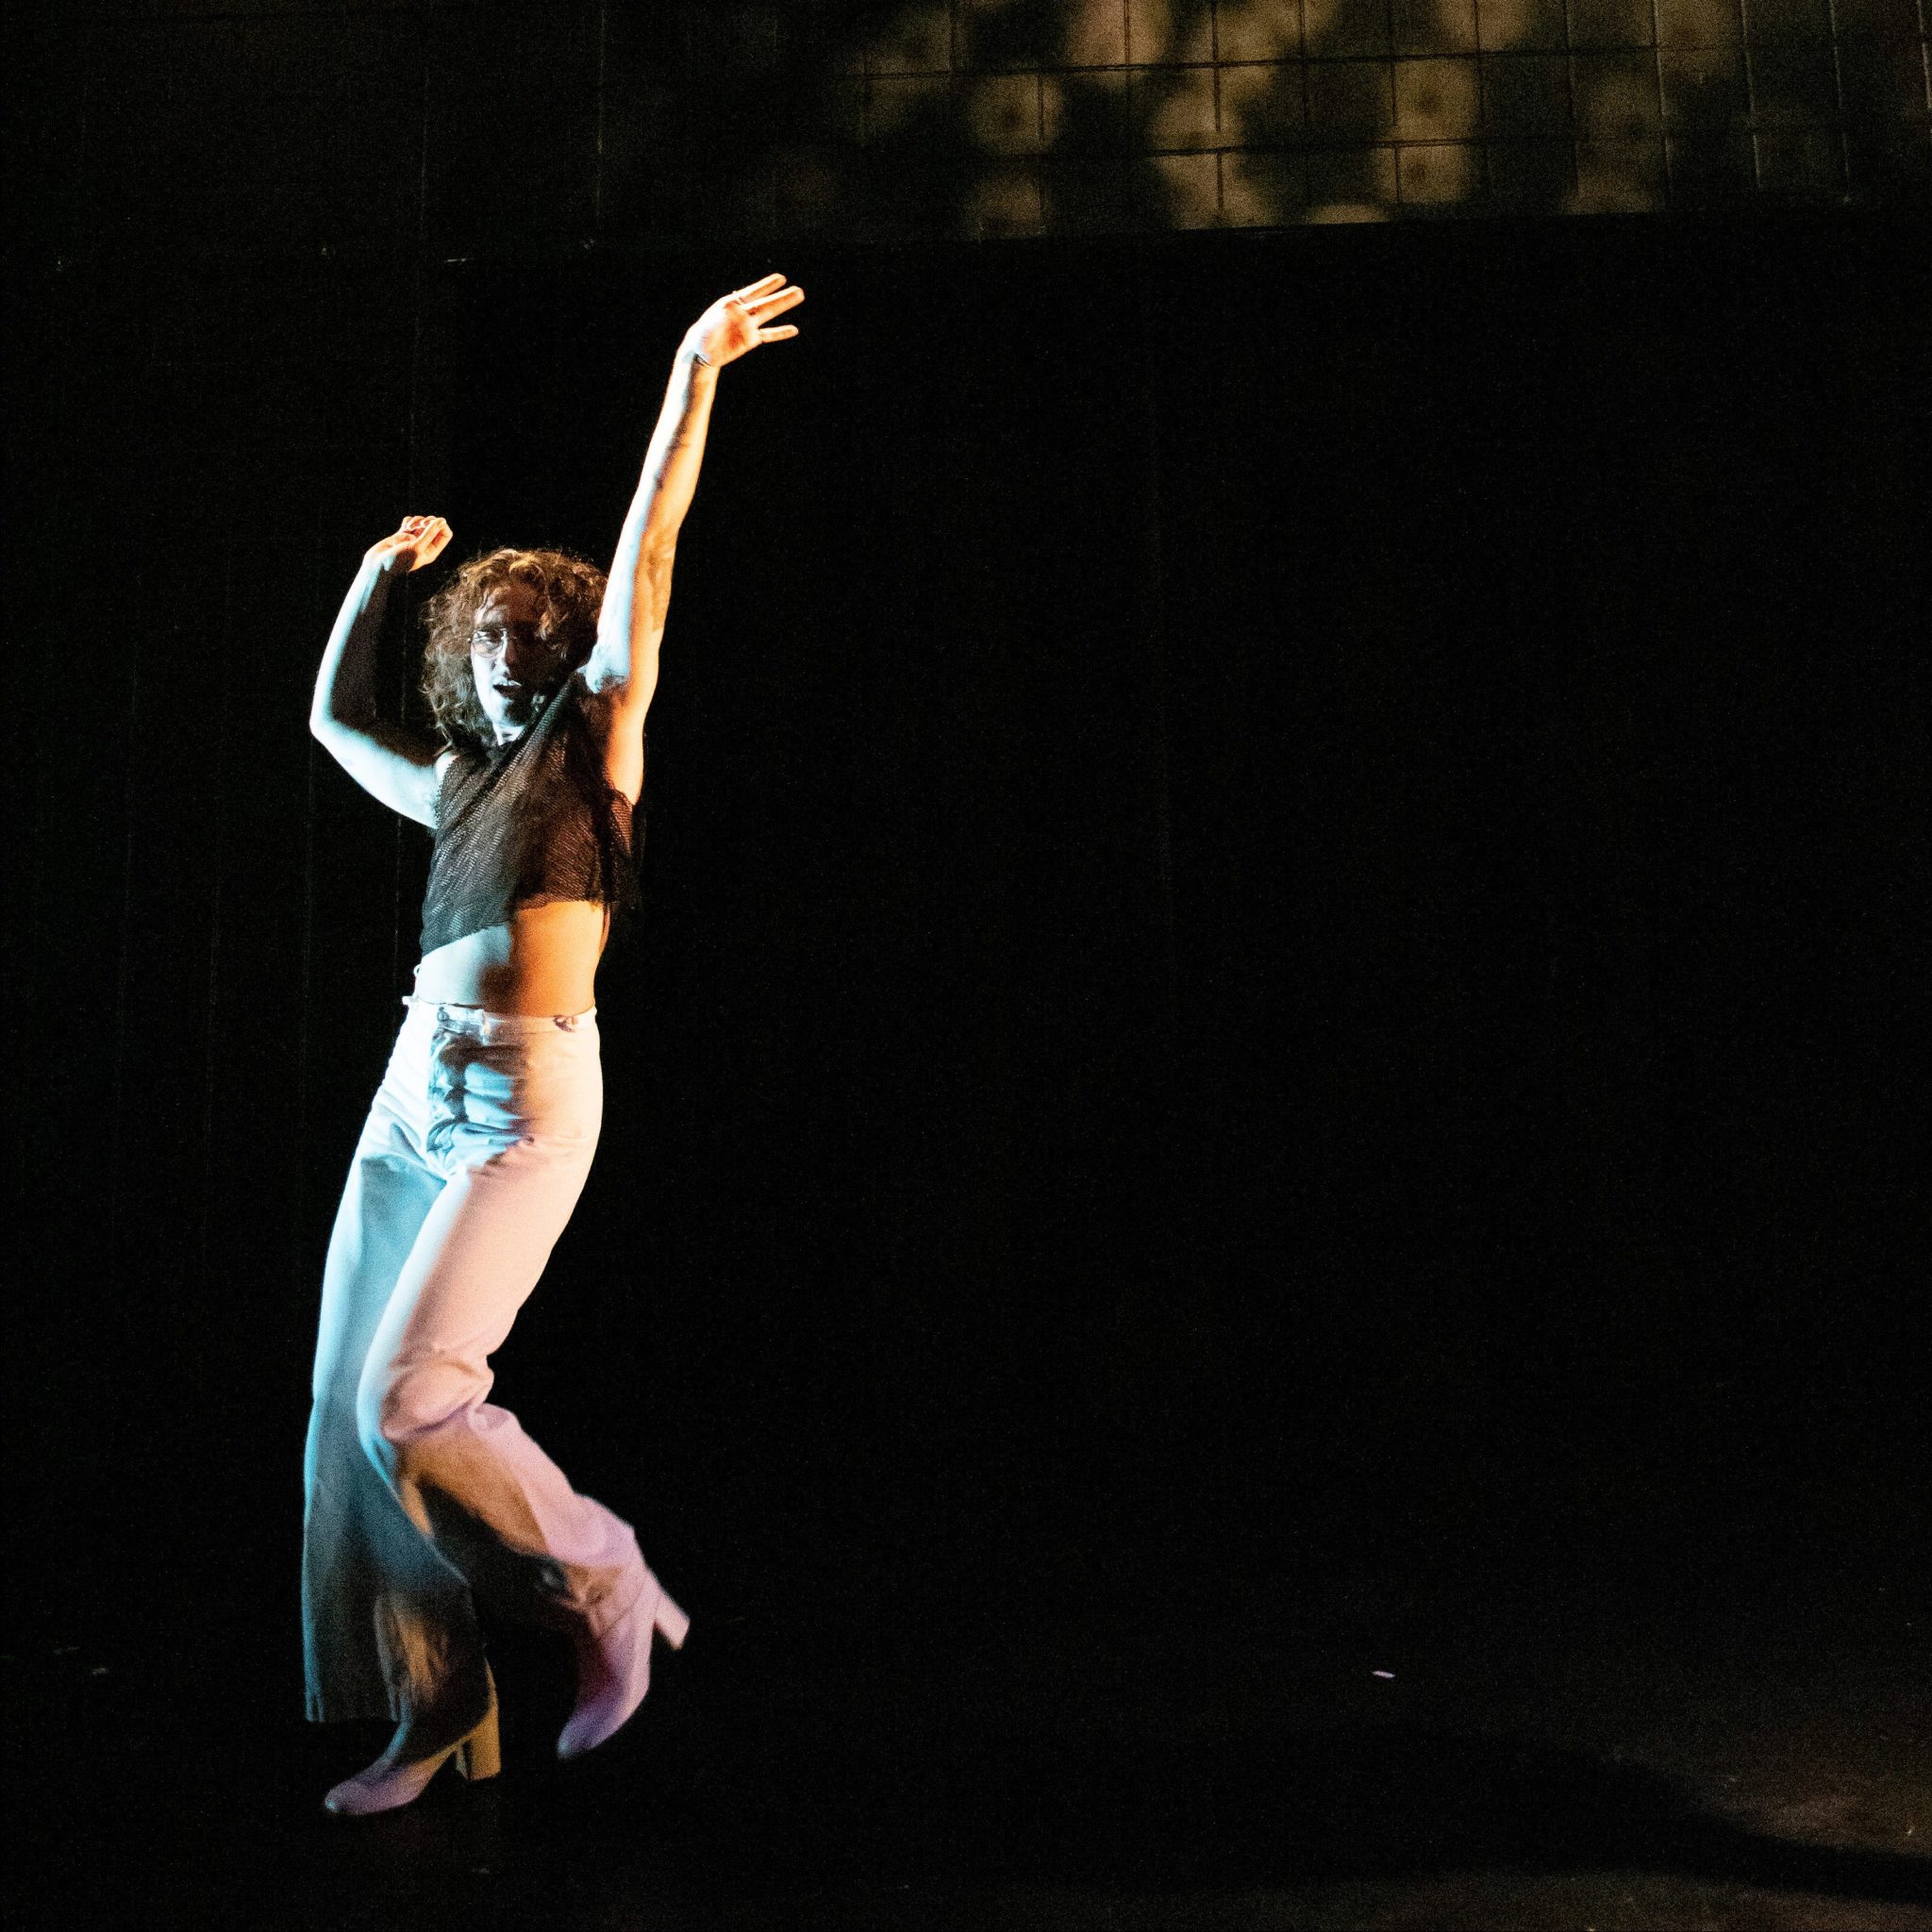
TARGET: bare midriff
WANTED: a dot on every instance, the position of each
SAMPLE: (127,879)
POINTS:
(543,960)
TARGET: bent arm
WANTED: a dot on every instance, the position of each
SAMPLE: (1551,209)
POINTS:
(390,762)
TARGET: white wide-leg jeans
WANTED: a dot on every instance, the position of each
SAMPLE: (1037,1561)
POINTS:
(421,1497)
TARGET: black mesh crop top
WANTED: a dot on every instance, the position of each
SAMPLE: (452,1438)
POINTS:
(527,822)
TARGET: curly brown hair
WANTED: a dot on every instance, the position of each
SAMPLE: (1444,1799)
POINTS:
(571,593)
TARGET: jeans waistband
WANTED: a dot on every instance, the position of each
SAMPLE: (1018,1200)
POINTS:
(485,1026)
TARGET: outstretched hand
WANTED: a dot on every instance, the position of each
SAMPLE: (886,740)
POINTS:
(421,541)
(740,322)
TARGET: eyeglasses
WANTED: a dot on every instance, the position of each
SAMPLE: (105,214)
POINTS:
(494,641)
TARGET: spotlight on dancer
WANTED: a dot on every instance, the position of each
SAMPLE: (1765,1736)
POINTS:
(422,1498)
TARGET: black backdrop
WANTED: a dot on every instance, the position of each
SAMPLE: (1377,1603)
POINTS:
(1278,876)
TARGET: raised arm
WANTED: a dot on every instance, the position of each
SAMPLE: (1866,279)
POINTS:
(622,669)
(389,761)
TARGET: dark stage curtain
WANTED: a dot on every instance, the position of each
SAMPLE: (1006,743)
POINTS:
(1277,895)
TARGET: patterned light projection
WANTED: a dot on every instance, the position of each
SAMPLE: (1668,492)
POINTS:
(1000,117)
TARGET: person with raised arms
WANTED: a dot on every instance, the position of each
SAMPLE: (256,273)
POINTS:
(423,1497)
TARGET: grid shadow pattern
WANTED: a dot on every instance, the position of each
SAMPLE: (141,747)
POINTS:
(478,128)
(999,118)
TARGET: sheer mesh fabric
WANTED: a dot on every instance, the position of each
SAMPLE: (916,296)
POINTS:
(525,823)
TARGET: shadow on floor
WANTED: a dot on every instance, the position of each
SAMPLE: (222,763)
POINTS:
(839,1806)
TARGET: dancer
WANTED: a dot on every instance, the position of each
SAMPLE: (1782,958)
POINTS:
(421,1498)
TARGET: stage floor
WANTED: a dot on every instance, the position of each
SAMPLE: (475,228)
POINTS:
(1730,1745)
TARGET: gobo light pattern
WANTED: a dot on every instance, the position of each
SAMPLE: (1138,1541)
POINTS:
(994,117)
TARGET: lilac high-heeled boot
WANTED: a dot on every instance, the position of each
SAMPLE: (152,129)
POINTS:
(402,1773)
(614,1670)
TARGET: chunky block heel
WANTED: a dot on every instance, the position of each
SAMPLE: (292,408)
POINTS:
(672,1622)
(480,1754)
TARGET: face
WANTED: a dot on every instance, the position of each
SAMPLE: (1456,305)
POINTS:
(514,663)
